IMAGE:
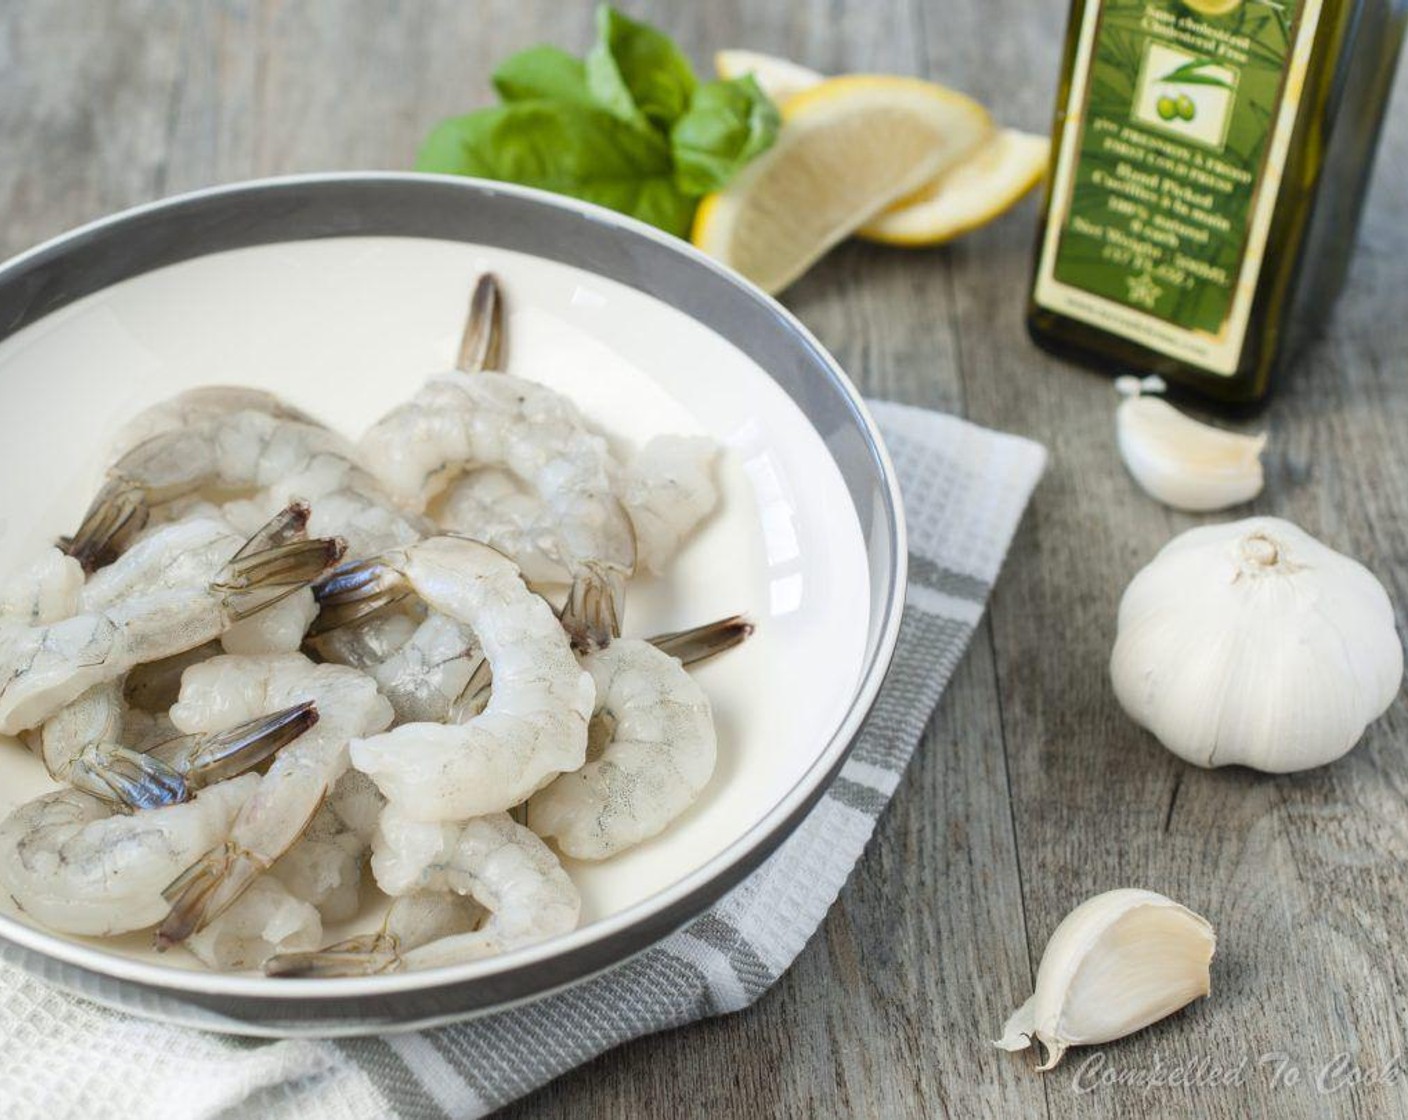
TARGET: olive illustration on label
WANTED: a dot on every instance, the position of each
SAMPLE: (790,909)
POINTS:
(1185,107)
(1167,107)
(1213,7)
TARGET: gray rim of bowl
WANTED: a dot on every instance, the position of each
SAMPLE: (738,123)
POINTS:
(25,298)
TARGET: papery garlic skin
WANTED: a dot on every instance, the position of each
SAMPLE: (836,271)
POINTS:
(1252,643)
(1116,963)
(1182,462)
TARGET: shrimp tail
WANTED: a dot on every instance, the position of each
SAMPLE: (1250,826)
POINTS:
(118,513)
(367,955)
(252,581)
(129,780)
(595,605)
(702,642)
(482,346)
(355,591)
(288,525)
(206,759)
(205,890)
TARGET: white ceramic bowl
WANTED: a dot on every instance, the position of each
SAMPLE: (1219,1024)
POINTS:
(341,292)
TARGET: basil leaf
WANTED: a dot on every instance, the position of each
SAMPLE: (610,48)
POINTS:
(545,73)
(562,146)
(728,124)
(637,73)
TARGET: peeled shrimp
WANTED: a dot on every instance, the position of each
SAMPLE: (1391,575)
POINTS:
(73,865)
(535,725)
(494,860)
(324,868)
(237,454)
(43,668)
(492,505)
(369,641)
(666,490)
(422,667)
(215,694)
(654,732)
(413,921)
(266,920)
(48,590)
(317,880)
(429,672)
(87,745)
(199,406)
(192,551)
(464,421)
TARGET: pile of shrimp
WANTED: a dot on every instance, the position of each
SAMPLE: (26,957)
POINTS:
(275,673)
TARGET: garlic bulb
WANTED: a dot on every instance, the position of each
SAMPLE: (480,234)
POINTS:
(1116,963)
(1178,460)
(1252,643)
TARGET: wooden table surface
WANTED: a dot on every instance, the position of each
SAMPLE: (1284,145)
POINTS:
(1032,790)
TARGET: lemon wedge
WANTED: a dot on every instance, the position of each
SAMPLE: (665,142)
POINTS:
(985,186)
(848,148)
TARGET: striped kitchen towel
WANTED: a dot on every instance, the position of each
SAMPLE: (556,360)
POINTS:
(964,489)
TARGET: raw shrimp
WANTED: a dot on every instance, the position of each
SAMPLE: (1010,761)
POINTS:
(463,421)
(667,490)
(421,667)
(316,880)
(198,406)
(413,921)
(369,641)
(241,454)
(267,919)
(85,745)
(324,868)
(48,590)
(656,745)
(494,860)
(73,865)
(535,725)
(216,693)
(42,668)
(183,554)
(425,677)
(192,551)
(492,505)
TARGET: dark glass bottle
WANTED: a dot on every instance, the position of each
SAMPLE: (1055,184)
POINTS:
(1209,165)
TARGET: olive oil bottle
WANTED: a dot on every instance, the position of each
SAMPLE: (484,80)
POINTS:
(1209,164)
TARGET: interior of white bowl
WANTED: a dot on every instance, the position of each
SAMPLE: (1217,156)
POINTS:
(346,325)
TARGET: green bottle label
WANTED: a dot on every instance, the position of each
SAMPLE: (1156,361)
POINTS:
(1179,117)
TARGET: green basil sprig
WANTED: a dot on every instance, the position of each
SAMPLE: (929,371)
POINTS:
(629,127)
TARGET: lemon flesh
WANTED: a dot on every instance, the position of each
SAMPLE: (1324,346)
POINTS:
(986,184)
(848,148)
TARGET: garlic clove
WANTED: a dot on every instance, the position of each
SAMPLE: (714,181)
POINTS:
(1182,462)
(1116,963)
